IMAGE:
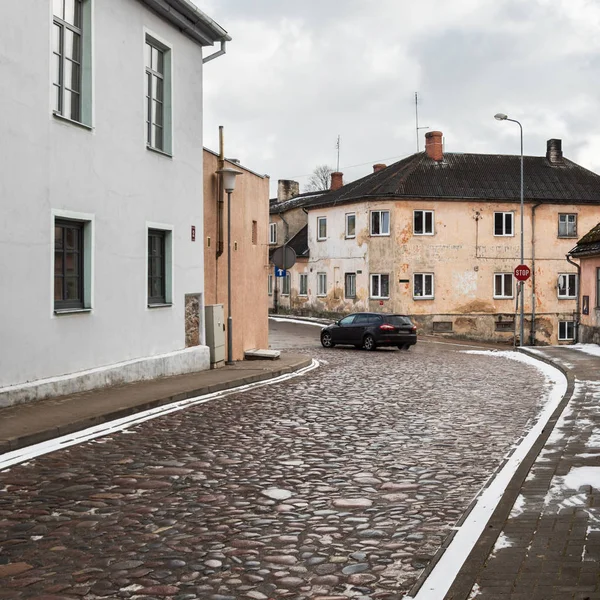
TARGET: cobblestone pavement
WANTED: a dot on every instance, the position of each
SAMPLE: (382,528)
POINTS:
(340,484)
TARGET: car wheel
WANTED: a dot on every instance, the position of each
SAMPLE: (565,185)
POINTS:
(369,342)
(327,340)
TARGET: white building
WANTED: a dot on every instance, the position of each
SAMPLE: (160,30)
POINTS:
(100,193)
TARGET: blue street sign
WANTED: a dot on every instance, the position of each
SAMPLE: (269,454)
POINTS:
(280,272)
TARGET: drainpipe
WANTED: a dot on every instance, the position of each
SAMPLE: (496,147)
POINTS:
(532,328)
(577,313)
(215,54)
(220,197)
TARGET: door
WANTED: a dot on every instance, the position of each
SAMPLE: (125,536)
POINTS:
(342,333)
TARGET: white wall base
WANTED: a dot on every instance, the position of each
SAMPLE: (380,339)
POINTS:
(189,360)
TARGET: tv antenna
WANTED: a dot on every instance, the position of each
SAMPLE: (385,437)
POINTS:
(417,118)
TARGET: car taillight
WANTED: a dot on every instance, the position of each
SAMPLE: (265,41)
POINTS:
(413,329)
(386,327)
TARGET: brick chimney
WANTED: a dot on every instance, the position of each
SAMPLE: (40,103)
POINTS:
(433,145)
(378,167)
(337,181)
(286,189)
(554,152)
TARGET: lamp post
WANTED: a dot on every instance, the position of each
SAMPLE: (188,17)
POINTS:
(228,176)
(503,117)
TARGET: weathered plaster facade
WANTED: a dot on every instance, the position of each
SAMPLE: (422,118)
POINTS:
(249,260)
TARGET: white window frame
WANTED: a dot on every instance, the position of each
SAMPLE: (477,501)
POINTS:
(321,284)
(169,262)
(347,229)
(424,277)
(380,213)
(272,233)
(424,213)
(286,284)
(567,219)
(568,287)
(378,278)
(502,277)
(512,223)
(352,277)
(303,282)
(270,285)
(321,220)
(563,328)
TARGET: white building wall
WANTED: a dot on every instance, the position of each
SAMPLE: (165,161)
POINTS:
(106,172)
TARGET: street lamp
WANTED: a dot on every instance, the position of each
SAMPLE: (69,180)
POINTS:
(228,176)
(503,117)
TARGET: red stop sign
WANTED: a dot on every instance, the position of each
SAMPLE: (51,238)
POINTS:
(522,272)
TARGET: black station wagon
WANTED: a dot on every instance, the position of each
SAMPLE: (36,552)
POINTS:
(370,330)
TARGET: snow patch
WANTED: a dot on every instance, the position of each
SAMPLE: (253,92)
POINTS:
(518,507)
(300,321)
(593,349)
(502,542)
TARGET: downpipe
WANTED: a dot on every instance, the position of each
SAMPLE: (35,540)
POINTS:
(577,313)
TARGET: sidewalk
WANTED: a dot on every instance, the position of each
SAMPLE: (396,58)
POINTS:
(543,540)
(25,424)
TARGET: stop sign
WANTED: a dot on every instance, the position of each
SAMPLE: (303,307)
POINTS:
(522,272)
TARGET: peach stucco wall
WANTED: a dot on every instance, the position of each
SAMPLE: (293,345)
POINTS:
(249,268)
(589,277)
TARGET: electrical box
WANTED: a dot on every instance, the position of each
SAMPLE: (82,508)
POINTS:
(215,333)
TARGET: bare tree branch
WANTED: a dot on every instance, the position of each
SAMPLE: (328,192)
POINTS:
(320,179)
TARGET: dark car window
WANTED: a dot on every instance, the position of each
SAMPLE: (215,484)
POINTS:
(347,320)
(398,321)
(361,319)
(374,320)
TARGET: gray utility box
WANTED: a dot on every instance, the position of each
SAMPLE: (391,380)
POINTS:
(215,333)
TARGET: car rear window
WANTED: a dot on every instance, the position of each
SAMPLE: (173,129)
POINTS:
(398,320)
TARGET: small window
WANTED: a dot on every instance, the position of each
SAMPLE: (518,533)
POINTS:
(567,285)
(303,284)
(350,285)
(505,325)
(321,228)
(272,233)
(157,267)
(566,330)
(254,232)
(380,222)
(351,225)
(321,284)
(158,96)
(380,285)
(503,285)
(285,285)
(442,327)
(69,264)
(567,225)
(503,223)
(270,285)
(423,285)
(423,222)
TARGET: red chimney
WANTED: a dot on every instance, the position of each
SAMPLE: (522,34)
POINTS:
(433,145)
(378,167)
(337,181)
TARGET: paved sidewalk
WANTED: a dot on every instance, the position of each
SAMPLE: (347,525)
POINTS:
(31,423)
(543,541)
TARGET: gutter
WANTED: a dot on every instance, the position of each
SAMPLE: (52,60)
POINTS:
(577,313)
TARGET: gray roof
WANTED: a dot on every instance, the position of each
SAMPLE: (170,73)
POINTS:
(589,244)
(276,207)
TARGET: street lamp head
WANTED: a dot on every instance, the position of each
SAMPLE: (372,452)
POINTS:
(228,174)
(500,117)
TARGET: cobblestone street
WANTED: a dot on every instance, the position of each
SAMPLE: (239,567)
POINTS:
(339,484)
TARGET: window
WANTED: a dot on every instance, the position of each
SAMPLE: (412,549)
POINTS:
(503,285)
(380,286)
(270,285)
(503,223)
(68,264)
(158,96)
(272,233)
(285,285)
(423,285)
(350,225)
(254,232)
(303,284)
(321,228)
(156,267)
(350,285)
(567,225)
(566,330)
(380,222)
(423,222)
(321,284)
(505,325)
(567,285)
(71,58)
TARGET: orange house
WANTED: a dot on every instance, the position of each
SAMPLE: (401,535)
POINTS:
(249,248)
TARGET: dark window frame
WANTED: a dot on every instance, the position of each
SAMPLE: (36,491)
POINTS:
(347,278)
(79,302)
(420,224)
(501,219)
(161,235)
(566,224)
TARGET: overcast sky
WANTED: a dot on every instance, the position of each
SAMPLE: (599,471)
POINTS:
(298,73)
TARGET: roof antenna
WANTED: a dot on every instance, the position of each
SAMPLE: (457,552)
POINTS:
(337,145)
(417,118)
